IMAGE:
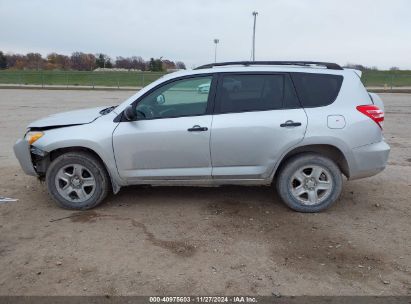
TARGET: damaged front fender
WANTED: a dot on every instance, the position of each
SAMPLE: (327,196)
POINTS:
(95,137)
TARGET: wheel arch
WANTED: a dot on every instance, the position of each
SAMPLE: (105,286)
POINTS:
(327,150)
(60,151)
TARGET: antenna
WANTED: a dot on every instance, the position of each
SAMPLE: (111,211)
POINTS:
(255,13)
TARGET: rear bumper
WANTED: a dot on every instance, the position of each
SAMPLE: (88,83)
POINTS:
(22,152)
(369,160)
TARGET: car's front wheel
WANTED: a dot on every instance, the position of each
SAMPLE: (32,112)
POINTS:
(309,183)
(77,180)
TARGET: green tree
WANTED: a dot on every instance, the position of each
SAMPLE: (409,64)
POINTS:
(3,61)
(109,65)
(151,65)
(100,61)
(103,61)
(155,65)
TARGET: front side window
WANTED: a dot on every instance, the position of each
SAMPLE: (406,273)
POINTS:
(186,97)
(242,93)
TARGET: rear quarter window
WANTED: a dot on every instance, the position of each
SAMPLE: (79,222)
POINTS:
(317,90)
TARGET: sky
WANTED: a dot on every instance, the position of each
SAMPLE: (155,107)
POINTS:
(368,32)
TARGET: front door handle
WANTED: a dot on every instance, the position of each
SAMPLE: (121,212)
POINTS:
(197,128)
(290,123)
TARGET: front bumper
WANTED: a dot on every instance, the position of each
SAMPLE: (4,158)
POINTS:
(23,154)
(369,160)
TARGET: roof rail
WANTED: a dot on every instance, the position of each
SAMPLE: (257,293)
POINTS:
(328,65)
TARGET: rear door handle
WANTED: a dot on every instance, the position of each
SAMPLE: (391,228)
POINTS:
(197,128)
(290,123)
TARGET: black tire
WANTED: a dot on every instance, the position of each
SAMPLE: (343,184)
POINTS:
(286,178)
(91,164)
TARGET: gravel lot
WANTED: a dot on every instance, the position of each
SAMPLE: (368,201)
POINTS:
(207,241)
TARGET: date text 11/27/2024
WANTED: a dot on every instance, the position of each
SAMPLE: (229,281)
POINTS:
(205,299)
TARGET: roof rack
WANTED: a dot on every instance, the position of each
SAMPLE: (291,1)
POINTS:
(328,65)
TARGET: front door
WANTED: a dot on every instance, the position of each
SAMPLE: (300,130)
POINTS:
(170,140)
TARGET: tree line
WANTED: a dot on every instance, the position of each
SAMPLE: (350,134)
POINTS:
(80,61)
(363,68)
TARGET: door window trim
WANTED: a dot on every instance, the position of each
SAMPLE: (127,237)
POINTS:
(284,74)
(210,99)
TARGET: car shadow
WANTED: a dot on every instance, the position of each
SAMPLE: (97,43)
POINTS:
(157,195)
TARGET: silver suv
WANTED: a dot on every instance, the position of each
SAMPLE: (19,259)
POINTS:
(298,125)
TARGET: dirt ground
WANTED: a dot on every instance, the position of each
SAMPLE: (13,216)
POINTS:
(208,241)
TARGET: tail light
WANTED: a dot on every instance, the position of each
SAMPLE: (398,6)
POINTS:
(373,112)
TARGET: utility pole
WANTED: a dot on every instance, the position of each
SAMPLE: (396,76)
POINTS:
(216,41)
(255,13)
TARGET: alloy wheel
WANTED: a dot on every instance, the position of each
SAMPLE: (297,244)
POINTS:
(75,183)
(311,185)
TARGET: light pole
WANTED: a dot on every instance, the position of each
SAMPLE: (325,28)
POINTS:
(255,20)
(216,41)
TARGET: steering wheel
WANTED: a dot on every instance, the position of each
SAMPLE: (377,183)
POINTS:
(146,110)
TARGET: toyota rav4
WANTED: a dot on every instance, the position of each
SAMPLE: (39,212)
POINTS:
(299,126)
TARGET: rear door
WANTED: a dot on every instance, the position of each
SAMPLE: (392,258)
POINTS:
(255,121)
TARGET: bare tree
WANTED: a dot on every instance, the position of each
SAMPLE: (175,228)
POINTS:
(135,63)
(34,61)
(16,61)
(138,63)
(123,63)
(168,64)
(82,62)
(57,61)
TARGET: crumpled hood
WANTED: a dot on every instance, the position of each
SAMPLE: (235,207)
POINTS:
(77,117)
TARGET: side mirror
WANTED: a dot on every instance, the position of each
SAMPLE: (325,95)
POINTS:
(130,113)
(160,99)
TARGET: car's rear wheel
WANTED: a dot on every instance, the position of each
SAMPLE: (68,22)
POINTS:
(77,181)
(309,183)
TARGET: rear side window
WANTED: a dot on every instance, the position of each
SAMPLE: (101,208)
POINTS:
(317,90)
(243,93)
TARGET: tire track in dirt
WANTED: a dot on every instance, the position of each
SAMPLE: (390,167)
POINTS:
(180,248)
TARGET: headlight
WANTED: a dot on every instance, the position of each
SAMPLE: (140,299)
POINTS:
(32,136)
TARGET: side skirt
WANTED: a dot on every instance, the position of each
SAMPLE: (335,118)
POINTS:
(205,183)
